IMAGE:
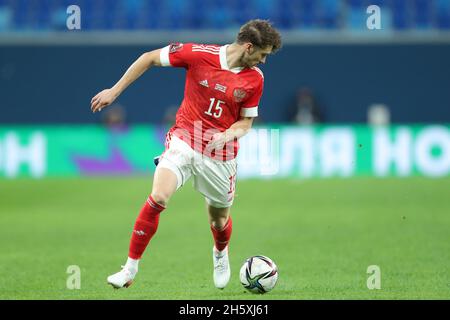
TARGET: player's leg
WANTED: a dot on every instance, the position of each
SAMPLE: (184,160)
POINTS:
(221,228)
(164,186)
(171,173)
(216,181)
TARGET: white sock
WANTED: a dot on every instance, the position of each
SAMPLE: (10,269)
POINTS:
(132,264)
(220,253)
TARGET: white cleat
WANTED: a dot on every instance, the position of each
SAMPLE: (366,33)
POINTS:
(122,279)
(222,269)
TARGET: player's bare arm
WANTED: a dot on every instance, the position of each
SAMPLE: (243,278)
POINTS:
(239,129)
(142,64)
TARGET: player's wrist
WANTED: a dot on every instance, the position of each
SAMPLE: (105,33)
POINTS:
(228,135)
(115,91)
(232,134)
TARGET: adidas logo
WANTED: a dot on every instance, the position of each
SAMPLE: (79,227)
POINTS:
(139,232)
(204,83)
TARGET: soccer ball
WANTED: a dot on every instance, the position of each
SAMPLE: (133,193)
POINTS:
(259,274)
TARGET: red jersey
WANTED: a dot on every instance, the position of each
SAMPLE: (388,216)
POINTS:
(215,96)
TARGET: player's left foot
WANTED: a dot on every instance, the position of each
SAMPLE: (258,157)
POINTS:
(222,271)
(122,279)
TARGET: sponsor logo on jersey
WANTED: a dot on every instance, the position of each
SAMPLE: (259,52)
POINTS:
(220,87)
(239,94)
(204,83)
(174,47)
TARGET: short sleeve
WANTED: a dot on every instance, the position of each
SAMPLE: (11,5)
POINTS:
(250,106)
(177,55)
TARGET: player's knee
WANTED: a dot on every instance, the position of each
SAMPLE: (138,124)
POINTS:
(218,223)
(161,198)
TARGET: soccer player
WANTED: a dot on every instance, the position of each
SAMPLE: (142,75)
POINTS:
(222,93)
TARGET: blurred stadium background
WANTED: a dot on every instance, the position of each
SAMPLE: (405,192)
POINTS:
(352,146)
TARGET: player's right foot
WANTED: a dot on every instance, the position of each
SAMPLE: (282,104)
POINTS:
(122,279)
(222,271)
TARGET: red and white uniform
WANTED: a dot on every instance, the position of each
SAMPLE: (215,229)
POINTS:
(215,96)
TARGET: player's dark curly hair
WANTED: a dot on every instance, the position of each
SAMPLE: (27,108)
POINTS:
(260,33)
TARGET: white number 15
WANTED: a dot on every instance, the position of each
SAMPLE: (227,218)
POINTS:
(217,109)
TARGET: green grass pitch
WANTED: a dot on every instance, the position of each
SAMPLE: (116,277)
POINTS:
(323,235)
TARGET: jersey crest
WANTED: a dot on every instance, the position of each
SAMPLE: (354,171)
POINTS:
(239,94)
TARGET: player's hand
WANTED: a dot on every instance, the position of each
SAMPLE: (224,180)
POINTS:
(217,142)
(102,100)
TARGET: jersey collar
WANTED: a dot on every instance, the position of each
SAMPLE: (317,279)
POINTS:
(223,60)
